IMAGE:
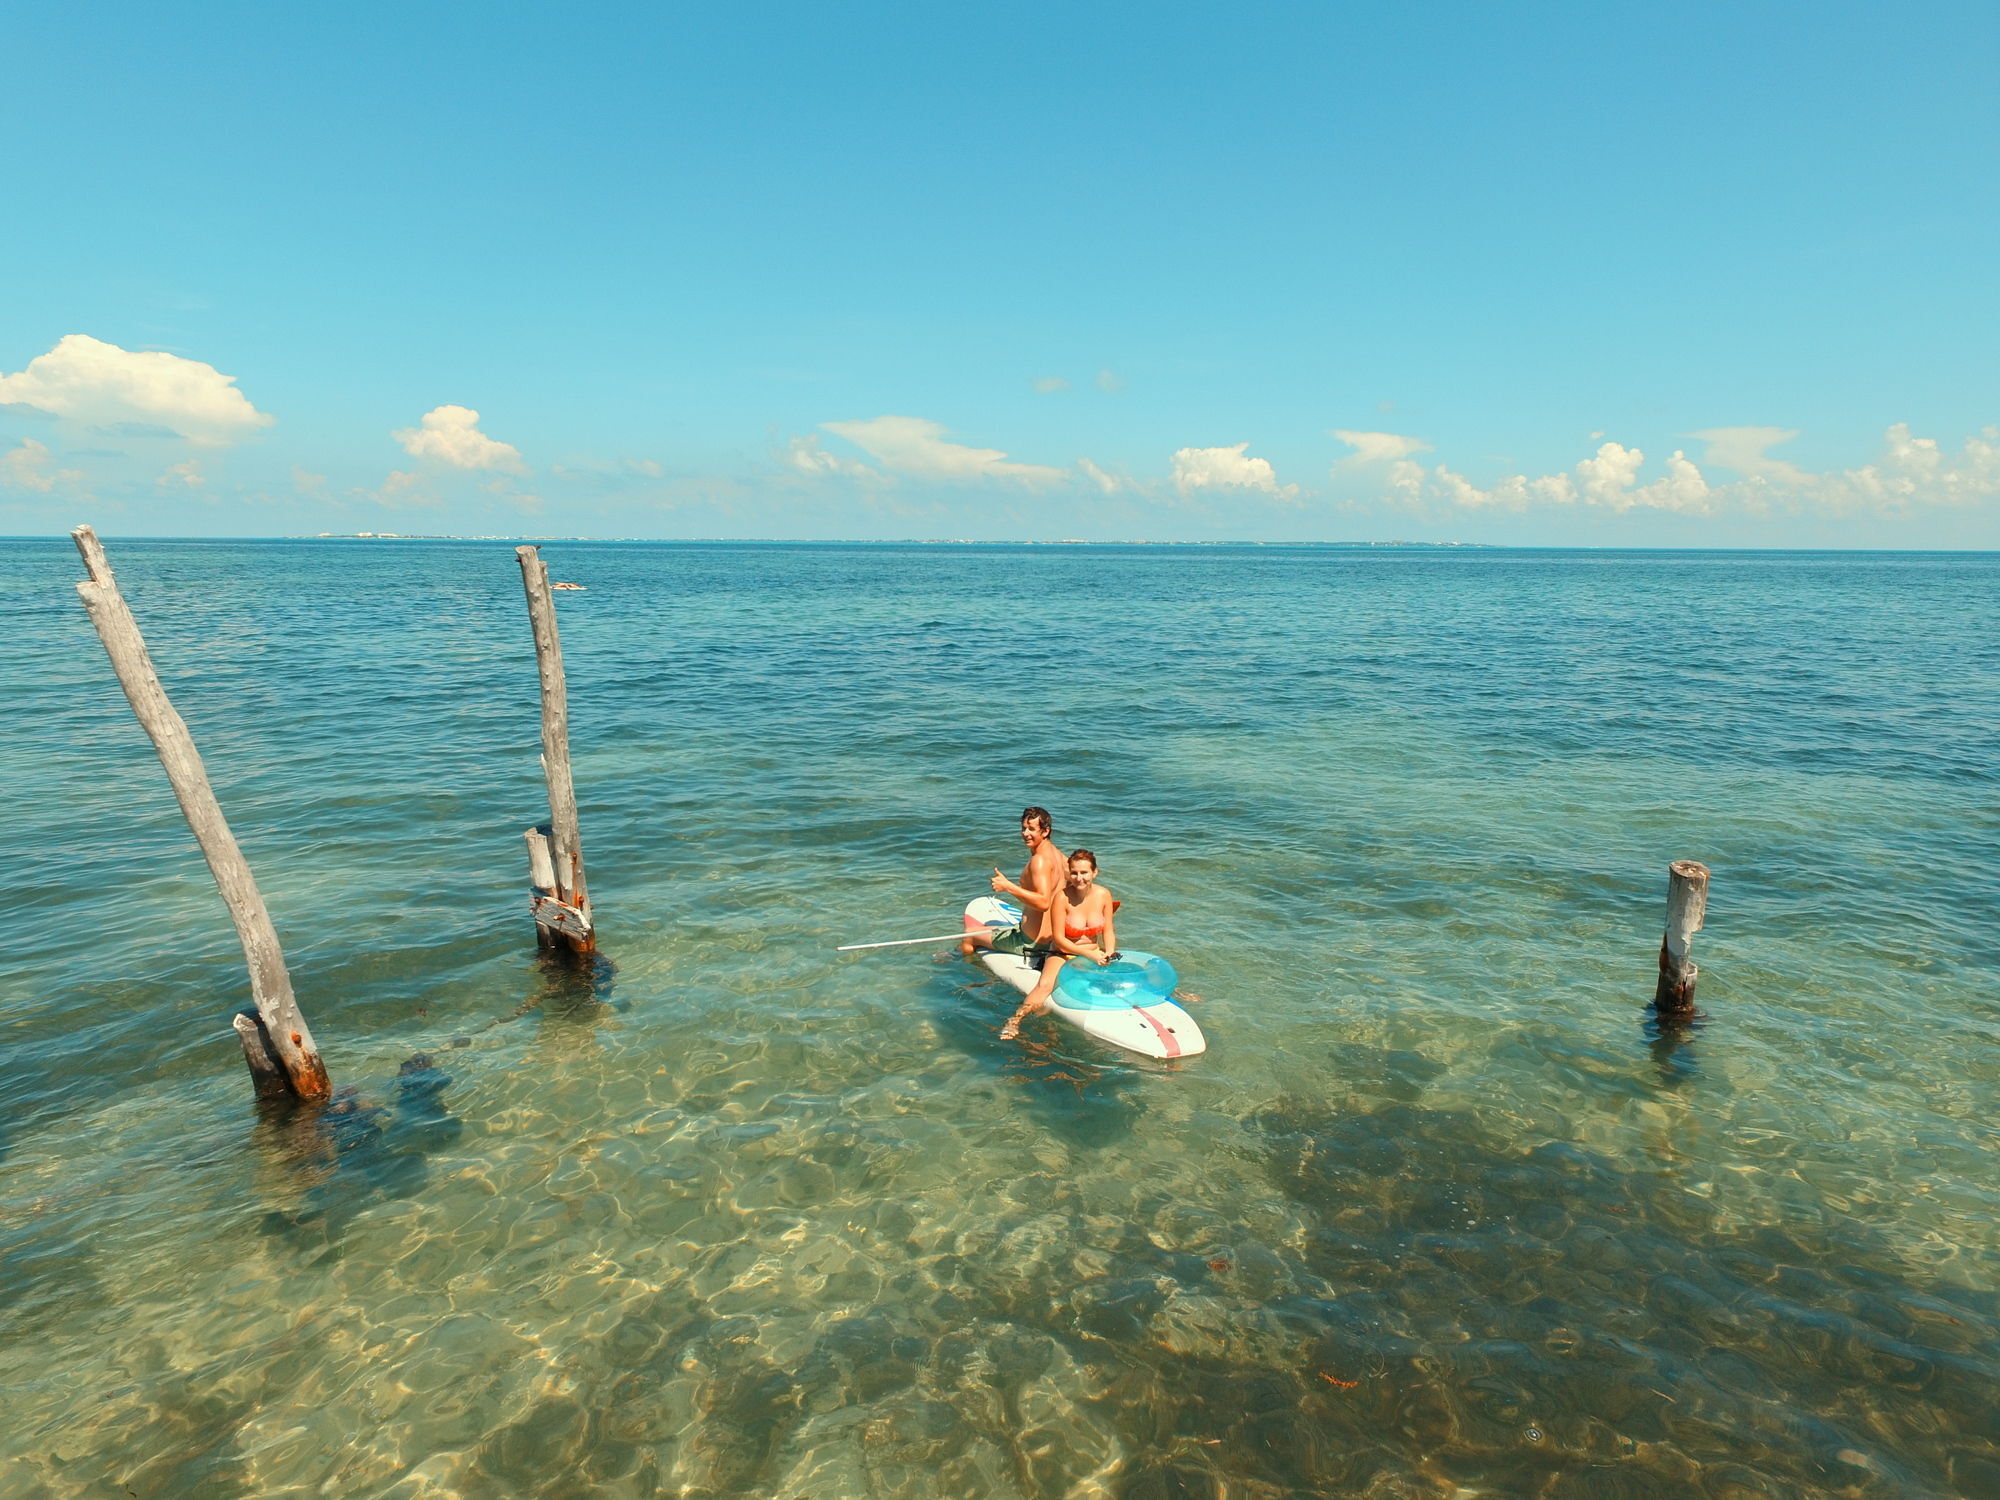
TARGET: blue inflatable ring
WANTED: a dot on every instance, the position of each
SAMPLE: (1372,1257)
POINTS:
(1133,978)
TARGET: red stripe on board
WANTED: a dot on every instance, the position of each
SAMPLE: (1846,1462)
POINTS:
(1167,1039)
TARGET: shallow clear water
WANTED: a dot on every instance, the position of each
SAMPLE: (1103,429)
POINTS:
(1437,1213)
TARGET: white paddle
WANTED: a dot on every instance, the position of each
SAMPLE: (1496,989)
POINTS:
(948,937)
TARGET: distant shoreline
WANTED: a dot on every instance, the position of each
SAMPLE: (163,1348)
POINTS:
(1212,543)
(908,541)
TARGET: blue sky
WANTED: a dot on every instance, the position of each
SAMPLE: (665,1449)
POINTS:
(1327,272)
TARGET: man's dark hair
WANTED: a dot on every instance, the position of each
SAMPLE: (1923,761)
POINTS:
(1084,854)
(1039,815)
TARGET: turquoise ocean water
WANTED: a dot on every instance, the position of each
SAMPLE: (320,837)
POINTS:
(1437,1215)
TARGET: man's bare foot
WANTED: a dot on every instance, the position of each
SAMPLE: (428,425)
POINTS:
(1011,1030)
(965,947)
(1188,995)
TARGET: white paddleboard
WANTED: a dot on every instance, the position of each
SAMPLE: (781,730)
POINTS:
(1122,1003)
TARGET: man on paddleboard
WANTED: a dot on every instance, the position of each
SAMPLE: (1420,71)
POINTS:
(1040,879)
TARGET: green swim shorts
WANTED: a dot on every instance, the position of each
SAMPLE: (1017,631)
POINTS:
(1013,940)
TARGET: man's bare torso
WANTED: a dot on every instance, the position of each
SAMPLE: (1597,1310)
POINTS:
(1042,874)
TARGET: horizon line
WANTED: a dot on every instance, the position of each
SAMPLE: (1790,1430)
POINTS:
(782,541)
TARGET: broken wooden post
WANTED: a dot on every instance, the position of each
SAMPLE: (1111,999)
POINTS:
(565,910)
(1687,904)
(265,1074)
(542,878)
(541,864)
(270,984)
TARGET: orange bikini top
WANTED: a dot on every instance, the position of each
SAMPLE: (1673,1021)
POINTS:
(1076,933)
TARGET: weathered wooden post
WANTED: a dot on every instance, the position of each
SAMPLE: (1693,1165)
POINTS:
(283,1029)
(541,863)
(562,902)
(265,1074)
(1687,904)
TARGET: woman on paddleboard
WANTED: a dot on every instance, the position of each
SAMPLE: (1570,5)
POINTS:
(1078,926)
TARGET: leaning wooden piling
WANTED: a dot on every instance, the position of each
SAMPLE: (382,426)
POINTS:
(1687,905)
(270,984)
(562,913)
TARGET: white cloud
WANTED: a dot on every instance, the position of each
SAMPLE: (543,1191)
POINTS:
(87,380)
(31,467)
(451,435)
(1376,447)
(1406,479)
(1227,468)
(186,474)
(1611,480)
(1911,473)
(1684,489)
(1607,480)
(1110,382)
(1515,493)
(1048,385)
(1463,493)
(917,447)
(1743,449)
(806,455)
(1914,472)
(1110,483)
